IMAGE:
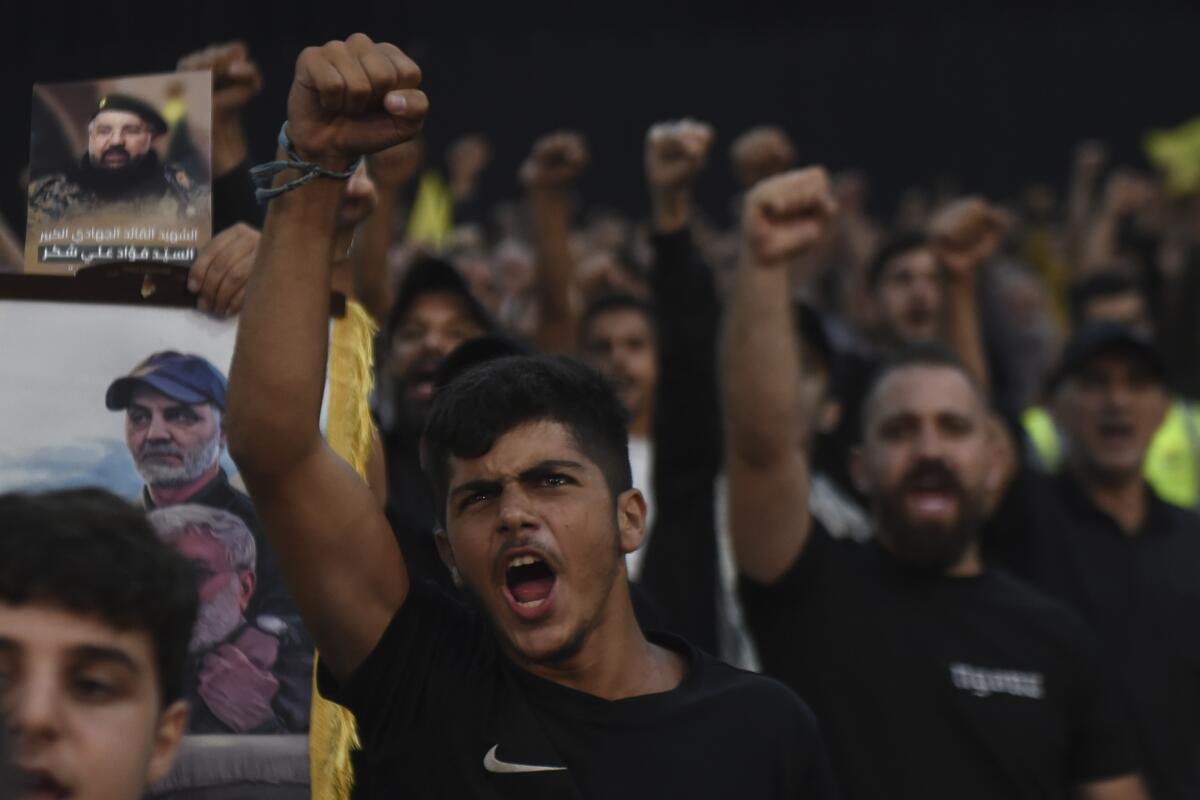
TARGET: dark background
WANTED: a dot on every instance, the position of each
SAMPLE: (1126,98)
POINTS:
(910,92)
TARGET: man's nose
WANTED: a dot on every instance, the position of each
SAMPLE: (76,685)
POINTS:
(929,443)
(34,710)
(158,428)
(516,511)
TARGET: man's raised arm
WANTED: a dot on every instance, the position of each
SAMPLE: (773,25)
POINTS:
(340,559)
(784,218)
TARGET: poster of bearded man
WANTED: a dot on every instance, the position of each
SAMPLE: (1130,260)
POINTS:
(120,171)
(132,400)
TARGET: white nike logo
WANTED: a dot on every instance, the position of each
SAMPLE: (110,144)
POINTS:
(493,764)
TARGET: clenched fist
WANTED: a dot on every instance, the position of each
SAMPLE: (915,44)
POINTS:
(222,270)
(966,233)
(353,98)
(236,79)
(787,216)
(760,153)
(556,162)
(676,152)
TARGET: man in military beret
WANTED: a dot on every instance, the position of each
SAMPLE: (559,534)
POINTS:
(174,406)
(120,165)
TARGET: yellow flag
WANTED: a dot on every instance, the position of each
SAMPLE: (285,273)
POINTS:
(1176,153)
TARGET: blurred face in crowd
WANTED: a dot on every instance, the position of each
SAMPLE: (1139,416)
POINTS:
(909,297)
(434,326)
(359,199)
(532,530)
(620,344)
(172,443)
(1109,412)
(817,404)
(224,590)
(118,139)
(83,705)
(924,461)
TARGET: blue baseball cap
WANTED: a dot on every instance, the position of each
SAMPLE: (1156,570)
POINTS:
(181,377)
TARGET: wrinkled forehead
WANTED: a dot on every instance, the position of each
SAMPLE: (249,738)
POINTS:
(923,390)
(519,448)
(118,119)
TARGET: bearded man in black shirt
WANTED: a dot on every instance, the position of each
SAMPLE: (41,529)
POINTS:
(931,676)
(553,690)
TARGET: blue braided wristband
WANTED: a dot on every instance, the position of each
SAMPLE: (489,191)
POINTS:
(264,174)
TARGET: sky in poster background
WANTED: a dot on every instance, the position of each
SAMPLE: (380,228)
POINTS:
(54,428)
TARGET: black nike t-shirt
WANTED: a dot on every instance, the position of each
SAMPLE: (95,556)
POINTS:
(937,687)
(443,713)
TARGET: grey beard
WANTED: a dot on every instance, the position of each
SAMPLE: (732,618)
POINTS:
(195,464)
(217,619)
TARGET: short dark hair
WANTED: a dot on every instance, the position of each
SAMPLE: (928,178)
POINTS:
(88,551)
(610,302)
(1108,283)
(922,354)
(896,245)
(479,406)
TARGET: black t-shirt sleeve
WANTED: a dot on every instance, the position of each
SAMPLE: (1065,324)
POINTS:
(773,611)
(1101,744)
(426,656)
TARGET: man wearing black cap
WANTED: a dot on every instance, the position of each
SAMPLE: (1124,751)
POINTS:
(174,405)
(1099,538)
(433,314)
(120,165)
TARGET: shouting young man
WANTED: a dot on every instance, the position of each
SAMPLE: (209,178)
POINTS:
(547,688)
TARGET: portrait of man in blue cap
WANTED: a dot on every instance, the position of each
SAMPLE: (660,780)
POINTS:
(174,406)
(120,165)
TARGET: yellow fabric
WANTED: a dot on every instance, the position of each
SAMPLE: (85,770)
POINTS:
(432,216)
(1171,459)
(174,110)
(1176,153)
(332,731)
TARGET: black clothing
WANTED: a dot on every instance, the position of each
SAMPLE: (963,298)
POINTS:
(438,705)
(1139,593)
(410,511)
(936,687)
(270,594)
(680,569)
(233,199)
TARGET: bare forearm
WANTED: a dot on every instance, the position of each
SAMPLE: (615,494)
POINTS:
(963,332)
(369,255)
(278,372)
(555,271)
(761,368)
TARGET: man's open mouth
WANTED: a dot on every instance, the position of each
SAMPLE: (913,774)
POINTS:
(41,785)
(529,585)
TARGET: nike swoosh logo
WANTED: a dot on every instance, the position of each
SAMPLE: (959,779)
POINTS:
(493,764)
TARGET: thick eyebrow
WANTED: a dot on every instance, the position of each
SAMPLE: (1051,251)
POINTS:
(89,654)
(544,468)
(538,470)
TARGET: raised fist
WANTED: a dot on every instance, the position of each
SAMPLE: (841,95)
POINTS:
(467,157)
(966,233)
(557,160)
(787,216)
(353,98)
(222,269)
(676,152)
(760,153)
(1090,157)
(236,79)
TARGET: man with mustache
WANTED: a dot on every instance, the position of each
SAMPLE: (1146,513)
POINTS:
(120,165)
(1099,538)
(931,675)
(241,677)
(174,406)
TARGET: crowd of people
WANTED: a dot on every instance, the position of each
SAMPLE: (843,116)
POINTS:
(818,505)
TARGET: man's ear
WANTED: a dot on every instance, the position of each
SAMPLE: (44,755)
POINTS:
(830,416)
(172,723)
(246,583)
(447,554)
(631,520)
(858,470)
